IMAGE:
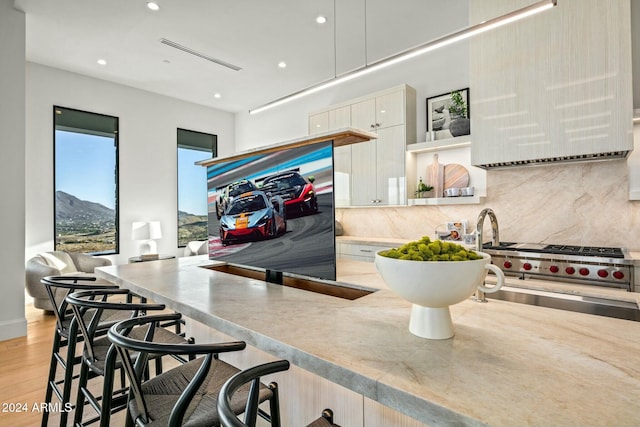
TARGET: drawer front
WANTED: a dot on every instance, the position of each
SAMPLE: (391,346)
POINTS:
(357,252)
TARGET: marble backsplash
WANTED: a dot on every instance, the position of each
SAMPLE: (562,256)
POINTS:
(573,203)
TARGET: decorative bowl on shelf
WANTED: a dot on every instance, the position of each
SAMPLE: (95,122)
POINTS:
(432,286)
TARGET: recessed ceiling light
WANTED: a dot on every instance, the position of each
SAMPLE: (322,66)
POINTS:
(282,64)
(321,19)
(153,6)
(217,95)
(102,62)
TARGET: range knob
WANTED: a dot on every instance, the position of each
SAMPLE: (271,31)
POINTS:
(554,269)
(584,271)
(507,264)
(570,270)
(603,273)
(527,266)
(618,275)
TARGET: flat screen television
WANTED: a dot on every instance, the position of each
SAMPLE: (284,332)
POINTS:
(275,211)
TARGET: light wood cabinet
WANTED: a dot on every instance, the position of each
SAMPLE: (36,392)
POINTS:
(372,173)
(555,86)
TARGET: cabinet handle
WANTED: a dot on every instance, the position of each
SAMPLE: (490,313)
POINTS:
(373,126)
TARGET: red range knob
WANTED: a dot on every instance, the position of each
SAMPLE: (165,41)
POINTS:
(603,273)
(584,271)
(527,266)
(507,264)
(570,270)
(554,269)
(618,275)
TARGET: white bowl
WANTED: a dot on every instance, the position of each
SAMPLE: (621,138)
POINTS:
(432,286)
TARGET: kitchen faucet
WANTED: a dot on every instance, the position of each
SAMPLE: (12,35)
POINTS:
(495,241)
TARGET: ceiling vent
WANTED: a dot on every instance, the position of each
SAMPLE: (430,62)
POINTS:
(552,160)
(200,55)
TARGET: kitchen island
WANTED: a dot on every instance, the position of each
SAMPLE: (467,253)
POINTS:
(508,364)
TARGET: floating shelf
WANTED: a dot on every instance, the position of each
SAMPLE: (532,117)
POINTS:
(435,201)
(439,145)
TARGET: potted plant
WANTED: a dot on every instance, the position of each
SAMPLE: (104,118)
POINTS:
(422,188)
(460,123)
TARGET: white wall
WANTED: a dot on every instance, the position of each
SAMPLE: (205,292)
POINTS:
(147,145)
(12,167)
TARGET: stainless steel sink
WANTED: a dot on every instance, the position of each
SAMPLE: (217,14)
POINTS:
(627,310)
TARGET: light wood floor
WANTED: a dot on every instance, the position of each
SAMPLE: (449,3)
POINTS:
(24,367)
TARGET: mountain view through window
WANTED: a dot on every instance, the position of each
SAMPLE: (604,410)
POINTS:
(86,182)
(192,184)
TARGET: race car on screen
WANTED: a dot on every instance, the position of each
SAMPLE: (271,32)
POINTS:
(230,192)
(298,193)
(253,216)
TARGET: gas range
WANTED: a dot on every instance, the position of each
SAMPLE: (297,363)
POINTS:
(600,266)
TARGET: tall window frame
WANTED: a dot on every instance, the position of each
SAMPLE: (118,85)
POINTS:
(85,153)
(193,146)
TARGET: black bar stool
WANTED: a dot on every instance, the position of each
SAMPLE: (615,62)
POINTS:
(187,393)
(65,337)
(99,357)
(251,378)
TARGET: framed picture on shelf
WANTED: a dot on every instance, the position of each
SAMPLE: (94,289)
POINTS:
(448,115)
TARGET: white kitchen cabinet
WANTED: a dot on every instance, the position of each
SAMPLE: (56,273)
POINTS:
(379,112)
(381,178)
(342,175)
(319,123)
(330,120)
(372,173)
(361,251)
(340,117)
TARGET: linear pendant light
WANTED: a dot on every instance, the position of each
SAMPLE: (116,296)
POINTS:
(457,36)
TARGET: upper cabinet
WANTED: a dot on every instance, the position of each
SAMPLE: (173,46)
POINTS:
(380,112)
(372,173)
(330,120)
(553,87)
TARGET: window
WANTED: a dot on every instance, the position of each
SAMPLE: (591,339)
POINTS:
(85,181)
(192,184)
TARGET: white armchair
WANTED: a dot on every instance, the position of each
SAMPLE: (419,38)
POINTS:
(196,247)
(57,263)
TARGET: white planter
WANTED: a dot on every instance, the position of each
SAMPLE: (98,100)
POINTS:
(432,286)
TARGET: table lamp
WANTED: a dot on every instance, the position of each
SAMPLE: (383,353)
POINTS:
(148,231)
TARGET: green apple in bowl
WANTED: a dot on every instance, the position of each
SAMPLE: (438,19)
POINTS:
(433,286)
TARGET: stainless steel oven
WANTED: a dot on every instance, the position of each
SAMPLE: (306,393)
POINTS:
(588,265)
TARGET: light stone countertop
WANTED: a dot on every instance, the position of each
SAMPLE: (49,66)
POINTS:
(508,364)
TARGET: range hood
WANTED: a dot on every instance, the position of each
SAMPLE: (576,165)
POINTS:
(565,159)
(554,88)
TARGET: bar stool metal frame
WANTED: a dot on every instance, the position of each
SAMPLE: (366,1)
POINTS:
(251,376)
(204,375)
(65,336)
(99,357)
